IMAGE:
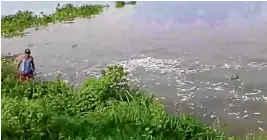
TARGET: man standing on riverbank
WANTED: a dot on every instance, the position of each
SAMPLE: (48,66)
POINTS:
(26,67)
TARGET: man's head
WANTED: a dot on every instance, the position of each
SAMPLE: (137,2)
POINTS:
(27,52)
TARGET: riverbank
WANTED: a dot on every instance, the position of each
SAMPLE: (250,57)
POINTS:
(14,25)
(51,107)
(102,108)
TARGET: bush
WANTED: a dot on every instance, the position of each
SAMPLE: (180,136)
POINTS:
(120,4)
(8,69)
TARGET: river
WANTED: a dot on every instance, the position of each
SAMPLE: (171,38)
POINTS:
(182,51)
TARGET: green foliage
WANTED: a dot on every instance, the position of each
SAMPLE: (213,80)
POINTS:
(132,2)
(120,4)
(104,108)
(14,25)
(8,68)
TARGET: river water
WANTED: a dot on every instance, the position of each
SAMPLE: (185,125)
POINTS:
(184,52)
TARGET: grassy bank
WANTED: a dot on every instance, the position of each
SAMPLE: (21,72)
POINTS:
(104,108)
(14,25)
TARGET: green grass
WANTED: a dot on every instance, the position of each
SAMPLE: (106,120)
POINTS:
(100,109)
(14,25)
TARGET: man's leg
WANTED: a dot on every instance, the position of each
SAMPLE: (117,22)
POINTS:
(22,77)
(30,75)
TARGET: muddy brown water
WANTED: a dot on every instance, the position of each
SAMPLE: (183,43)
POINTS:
(182,51)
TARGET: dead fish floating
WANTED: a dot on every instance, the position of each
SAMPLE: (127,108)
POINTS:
(234,77)
(245,116)
(260,122)
(265,98)
(256,113)
(253,93)
(261,129)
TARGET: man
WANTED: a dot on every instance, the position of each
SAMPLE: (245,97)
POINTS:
(26,67)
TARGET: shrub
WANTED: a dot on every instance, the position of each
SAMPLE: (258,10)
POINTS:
(120,4)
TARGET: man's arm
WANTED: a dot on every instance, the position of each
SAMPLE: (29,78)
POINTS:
(33,65)
(19,64)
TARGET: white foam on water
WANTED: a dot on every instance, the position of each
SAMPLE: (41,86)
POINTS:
(175,71)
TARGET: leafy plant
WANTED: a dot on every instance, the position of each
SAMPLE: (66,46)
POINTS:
(120,4)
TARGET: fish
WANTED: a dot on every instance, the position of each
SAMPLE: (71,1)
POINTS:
(230,113)
(260,122)
(77,74)
(261,129)
(212,116)
(217,84)
(245,116)
(257,113)
(225,66)
(226,84)
(218,88)
(184,99)
(192,107)
(253,93)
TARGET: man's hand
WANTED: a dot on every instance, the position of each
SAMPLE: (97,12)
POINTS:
(17,73)
(34,73)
